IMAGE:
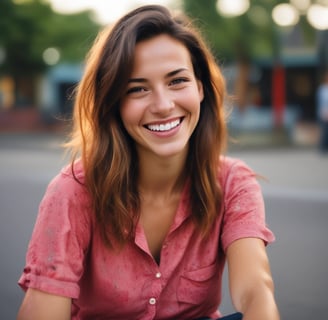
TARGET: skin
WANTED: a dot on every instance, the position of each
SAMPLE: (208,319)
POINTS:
(38,305)
(163,90)
(250,280)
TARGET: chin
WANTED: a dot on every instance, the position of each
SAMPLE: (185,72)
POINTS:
(172,152)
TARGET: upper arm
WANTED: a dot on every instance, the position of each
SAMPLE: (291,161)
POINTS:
(39,305)
(60,240)
(249,269)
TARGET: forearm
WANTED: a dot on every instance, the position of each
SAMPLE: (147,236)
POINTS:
(250,279)
(260,305)
(38,305)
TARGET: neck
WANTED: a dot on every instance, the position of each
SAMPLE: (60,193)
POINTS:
(161,177)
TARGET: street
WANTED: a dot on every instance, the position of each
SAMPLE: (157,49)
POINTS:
(295,187)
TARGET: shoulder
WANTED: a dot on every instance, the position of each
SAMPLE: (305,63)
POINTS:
(230,168)
(66,200)
(68,184)
(71,175)
(73,171)
(235,176)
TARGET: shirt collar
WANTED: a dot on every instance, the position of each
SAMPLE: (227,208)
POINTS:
(182,213)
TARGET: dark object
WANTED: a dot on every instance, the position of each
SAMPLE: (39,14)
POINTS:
(234,316)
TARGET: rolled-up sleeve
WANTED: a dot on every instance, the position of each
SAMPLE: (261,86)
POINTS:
(244,210)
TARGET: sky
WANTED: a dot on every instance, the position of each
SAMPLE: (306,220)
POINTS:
(106,10)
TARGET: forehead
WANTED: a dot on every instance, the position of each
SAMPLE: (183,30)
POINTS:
(161,52)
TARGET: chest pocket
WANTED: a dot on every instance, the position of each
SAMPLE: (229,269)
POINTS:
(199,285)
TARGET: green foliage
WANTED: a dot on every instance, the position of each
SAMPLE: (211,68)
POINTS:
(30,27)
(246,37)
(232,38)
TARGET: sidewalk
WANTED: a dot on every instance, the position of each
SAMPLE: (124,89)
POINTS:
(27,120)
(300,173)
(255,127)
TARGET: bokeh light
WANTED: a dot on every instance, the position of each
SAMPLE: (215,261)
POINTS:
(285,15)
(232,8)
(317,16)
(301,5)
(51,56)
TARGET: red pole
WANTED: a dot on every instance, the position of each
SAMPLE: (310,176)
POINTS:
(278,94)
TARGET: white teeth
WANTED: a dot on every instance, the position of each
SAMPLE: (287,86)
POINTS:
(164,127)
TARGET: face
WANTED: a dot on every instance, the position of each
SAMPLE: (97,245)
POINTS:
(161,105)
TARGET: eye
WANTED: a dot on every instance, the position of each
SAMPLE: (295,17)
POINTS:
(135,90)
(178,81)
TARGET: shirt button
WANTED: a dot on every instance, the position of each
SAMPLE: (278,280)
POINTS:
(158,275)
(152,301)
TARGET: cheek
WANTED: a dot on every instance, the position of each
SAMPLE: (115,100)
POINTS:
(131,116)
(194,101)
(127,114)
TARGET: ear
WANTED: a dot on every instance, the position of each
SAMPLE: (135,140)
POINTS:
(200,90)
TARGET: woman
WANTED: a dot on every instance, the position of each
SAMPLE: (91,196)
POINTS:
(140,225)
(322,110)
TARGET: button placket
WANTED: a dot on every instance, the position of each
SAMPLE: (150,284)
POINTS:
(156,288)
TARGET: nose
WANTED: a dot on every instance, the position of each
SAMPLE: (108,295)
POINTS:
(162,103)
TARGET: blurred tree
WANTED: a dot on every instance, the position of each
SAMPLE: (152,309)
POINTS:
(241,39)
(234,37)
(238,39)
(28,28)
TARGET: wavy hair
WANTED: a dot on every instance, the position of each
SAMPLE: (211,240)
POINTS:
(107,151)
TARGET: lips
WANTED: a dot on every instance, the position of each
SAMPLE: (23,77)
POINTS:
(162,127)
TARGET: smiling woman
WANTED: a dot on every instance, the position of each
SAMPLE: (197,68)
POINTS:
(141,222)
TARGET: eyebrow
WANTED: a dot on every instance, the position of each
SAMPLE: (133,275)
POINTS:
(170,74)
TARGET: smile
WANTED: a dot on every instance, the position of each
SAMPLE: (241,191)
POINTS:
(164,126)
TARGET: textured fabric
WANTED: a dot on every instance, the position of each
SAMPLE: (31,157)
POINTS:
(66,256)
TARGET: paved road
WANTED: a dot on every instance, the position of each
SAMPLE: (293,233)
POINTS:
(296,194)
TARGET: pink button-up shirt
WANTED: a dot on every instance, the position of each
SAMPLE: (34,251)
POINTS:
(66,256)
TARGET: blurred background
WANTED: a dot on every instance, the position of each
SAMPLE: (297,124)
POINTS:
(274,55)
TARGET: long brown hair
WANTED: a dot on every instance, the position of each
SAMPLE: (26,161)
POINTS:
(107,151)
